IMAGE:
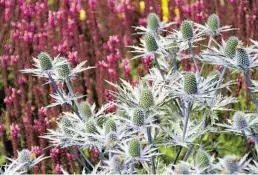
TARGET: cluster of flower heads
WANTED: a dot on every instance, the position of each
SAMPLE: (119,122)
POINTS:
(163,109)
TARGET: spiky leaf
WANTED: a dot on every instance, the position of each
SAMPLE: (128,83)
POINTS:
(202,159)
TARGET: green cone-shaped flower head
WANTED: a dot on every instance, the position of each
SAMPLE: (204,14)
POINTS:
(230,48)
(67,125)
(182,168)
(239,121)
(24,156)
(134,148)
(86,109)
(138,117)
(202,159)
(214,23)
(230,164)
(186,29)
(64,70)
(153,22)
(91,127)
(242,57)
(116,164)
(150,43)
(190,84)
(146,98)
(45,61)
(110,125)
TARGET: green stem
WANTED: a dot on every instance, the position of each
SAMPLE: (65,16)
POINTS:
(186,119)
(158,67)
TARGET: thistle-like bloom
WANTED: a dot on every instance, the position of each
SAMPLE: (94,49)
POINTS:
(212,26)
(44,65)
(230,55)
(25,161)
(64,71)
(231,164)
(149,47)
(241,122)
(143,95)
(132,150)
(185,86)
(202,159)
(154,25)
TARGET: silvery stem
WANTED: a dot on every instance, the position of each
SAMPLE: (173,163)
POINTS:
(73,95)
(131,168)
(158,67)
(186,119)
(52,81)
(153,169)
(174,61)
(249,85)
(177,155)
(194,60)
(220,80)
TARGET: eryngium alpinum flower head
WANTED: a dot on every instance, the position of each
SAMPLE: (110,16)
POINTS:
(63,71)
(138,117)
(146,98)
(134,148)
(230,164)
(86,109)
(110,125)
(150,43)
(24,156)
(239,121)
(190,83)
(186,29)
(153,22)
(230,48)
(90,127)
(202,159)
(242,58)
(116,164)
(182,168)
(45,61)
(214,23)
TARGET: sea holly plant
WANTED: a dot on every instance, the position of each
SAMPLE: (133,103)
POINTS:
(168,108)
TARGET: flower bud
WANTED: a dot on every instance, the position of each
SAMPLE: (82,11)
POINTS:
(134,148)
(146,98)
(230,48)
(24,156)
(242,57)
(66,124)
(90,127)
(45,61)
(153,22)
(186,29)
(239,121)
(202,159)
(110,125)
(214,24)
(138,117)
(190,84)
(86,109)
(230,164)
(63,71)
(150,43)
